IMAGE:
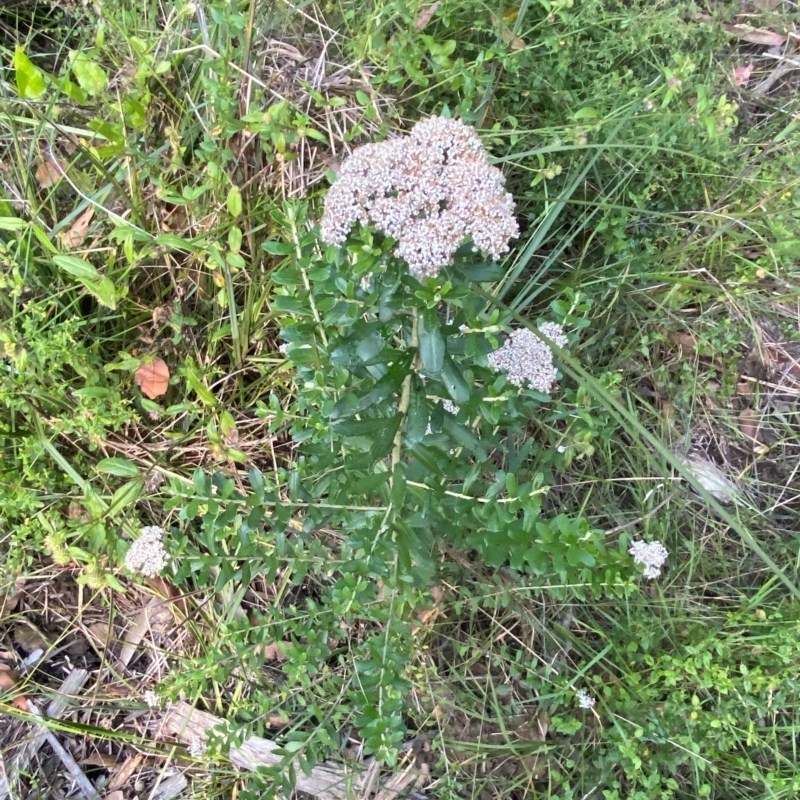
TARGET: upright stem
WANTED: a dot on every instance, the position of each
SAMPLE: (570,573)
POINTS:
(405,396)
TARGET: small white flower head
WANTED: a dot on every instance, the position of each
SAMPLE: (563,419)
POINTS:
(152,699)
(197,747)
(451,407)
(650,555)
(147,555)
(431,191)
(585,700)
(527,359)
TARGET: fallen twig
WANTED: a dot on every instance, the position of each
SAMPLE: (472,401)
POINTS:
(72,684)
(325,781)
(84,784)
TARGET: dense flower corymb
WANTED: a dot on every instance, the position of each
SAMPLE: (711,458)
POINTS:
(147,555)
(650,555)
(430,190)
(526,358)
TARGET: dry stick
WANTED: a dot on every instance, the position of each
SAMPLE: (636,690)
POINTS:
(72,684)
(325,782)
(84,784)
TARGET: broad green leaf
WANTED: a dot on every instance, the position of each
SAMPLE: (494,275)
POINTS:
(234,202)
(454,381)
(77,267)
(30,79)
(90,75)
(121,467)
(125,496)
(484,272)
(278,248)
(431,342)
(71,90)
(360,427)
(587,112)
(417,419)
(12,224)
(103,291)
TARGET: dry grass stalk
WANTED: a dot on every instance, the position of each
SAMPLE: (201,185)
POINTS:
(17,764)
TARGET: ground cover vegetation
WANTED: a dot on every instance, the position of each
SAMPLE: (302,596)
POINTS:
(292,480)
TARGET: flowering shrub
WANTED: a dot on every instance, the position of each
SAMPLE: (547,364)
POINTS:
(415,393)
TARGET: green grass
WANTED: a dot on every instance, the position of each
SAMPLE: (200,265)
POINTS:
(659,215)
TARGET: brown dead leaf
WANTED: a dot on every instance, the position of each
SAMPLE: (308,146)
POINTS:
(686,341)
(29,637)
(104,760)
(767,5)
(749,422)
(425,16)
(756,35)
(153,378)
(115,795)
(741,75)
(98,634)
(77,233)
(748,33)
(513,41)
(161,314)
(132,763)
(49,172)
(273,652)
(752,426)
(9,678)
(437,592)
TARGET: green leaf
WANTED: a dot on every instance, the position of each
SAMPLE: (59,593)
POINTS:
(417,419)
(121,467)
(90,75)
(484,272)
(369,484)
(102,288)
(234,202)
(72,90)
(454,381)
(12,224)
(125,496)
(278,248)
(193,379)
(30,79)
(104,292)
(360,427)
(77,267)
(431,342)
(587,112)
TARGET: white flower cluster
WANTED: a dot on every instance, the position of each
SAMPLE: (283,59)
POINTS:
(585,700)
(147,555)
(525,357)
(430,190)
(450,407)
(650,555)
(152,699)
